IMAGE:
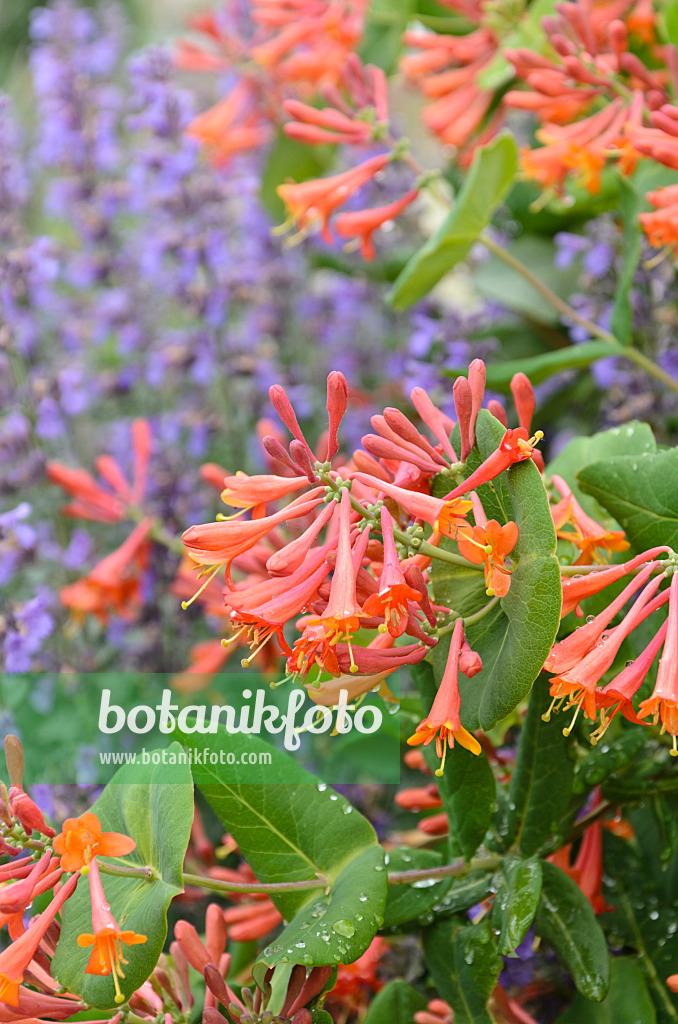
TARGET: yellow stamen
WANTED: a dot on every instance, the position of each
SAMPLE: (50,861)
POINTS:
(186,604)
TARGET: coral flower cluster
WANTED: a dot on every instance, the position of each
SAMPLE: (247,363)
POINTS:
(582,659)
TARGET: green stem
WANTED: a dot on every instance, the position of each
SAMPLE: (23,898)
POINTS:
(127,870)
(216,885)
(656,982)
(457,867)
(623,351)
(431,551)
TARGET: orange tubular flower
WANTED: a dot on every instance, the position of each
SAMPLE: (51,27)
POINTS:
(16,958)
(314,200)
(515,446)
(342,616)
(661,226)
(113,585)
(445,515)
(81,840)
(106,937)
(233,125)
(443,722)
(243,491)
(490,544)
(215,544)
(587,535)
(92,501)
(578,588)
(663,704)
(394,593)
(362,224)
(578,684)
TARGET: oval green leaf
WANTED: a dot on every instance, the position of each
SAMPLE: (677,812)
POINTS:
(514,638)
(565,919)
(489,179)
(158,815)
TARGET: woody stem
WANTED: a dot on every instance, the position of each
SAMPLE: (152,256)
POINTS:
(594,329)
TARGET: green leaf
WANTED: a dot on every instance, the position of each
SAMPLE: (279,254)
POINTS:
(464,965)
(488,181)
(298,830)
(627,1002)
(541,367)
(515,637)
(395,1004)
(644,916)
(518,885)
(467,788)
(383,38)
(319,1016)
(501,283)
(462,894)
(566,921)
(641,492)
(158,815)
(406,903)
(631,203)
(542,780)
(670,18)
(291,160)
(634,438)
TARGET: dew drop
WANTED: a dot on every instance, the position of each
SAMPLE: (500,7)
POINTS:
(344,928)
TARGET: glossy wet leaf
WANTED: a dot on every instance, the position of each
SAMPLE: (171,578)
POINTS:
(634,438)
(464,965)
(566,921)
(298,830)
(158,815)
(627,1002)
(405,903)
(641,492)
(489,179)
(395,1004)
(518,889)
(541,783)
(515,637)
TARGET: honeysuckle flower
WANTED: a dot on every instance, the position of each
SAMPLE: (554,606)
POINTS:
(586,534)
(15,958)
(578,588)
(215,544)
(248,922)
(81,840)
(361,224)
(16,896)
(267,619)
(489,545)
(572,649)
(578,684)
(341,618)
(423,798)
(437,1012)
(235,124)
(515,446)
(435,420)
(392,598)
(27,812)
(246,492)
(619,693)
(443,722)
(314,200)
(445,515)
(113,585)
(661,225)
(106,937)
(663,704)
(92,501)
